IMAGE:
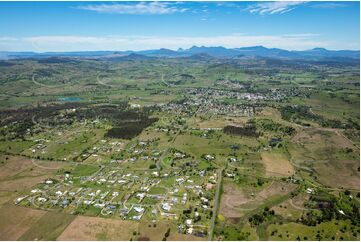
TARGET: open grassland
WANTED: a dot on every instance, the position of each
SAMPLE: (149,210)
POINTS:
(15,221)
(220,147)
(333,105)
(242,232)
(15,146)
(333,230)
(333,159)
(48,227)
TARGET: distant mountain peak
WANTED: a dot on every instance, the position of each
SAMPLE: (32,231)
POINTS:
(212,51)
(319,49)
(165,49)
(259,47)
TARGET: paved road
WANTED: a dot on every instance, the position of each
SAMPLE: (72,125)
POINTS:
(216,204)
(161,158)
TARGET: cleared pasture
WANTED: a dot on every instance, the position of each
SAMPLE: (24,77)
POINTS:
(277,165)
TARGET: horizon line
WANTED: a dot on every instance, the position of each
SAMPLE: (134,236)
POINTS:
(178,49)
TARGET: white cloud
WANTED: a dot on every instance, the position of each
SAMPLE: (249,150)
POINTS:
(329,5)
(302,35)
(85,43)
(263,8)
(135,8)
(7,39)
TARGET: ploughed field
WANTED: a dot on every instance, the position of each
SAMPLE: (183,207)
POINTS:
(179,149)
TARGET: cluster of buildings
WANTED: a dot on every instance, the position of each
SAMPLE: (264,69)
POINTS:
(234,102)
(130,195)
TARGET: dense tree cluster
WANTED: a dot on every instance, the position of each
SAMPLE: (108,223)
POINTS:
(298,113)
(248,130)
(270,125)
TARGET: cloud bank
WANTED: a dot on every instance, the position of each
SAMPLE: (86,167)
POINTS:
(85,43)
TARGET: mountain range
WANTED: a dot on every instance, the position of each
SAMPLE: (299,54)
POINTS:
(217,52)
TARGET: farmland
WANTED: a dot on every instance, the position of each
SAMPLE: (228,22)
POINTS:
(137,148)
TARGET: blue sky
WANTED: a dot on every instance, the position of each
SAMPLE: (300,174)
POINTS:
(80,26)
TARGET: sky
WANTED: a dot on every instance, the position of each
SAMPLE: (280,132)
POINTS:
(89,26)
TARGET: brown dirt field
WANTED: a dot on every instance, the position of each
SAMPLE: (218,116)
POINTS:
(184,237)
(232,197)
(15,220)
(19,185)
(341,141)
(6,196)
(293,207)
(339,174)
(276,188)
(234,201)
(13,165)
(299,200)
(18,166)
(322,136)
(94,228)
(51,165)
(277,165)
(304,136)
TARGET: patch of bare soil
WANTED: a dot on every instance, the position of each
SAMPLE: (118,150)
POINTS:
(276,188)
(95,228)
(277,165)
(292,208)
(13,165)
(232,197)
